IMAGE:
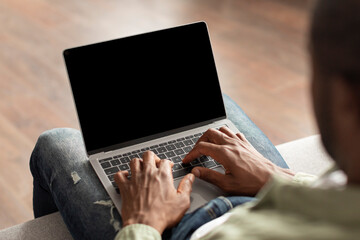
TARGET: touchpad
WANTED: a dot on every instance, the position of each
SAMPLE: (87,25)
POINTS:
(202,192)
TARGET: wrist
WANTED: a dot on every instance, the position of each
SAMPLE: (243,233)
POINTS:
(286,173)
(149,221)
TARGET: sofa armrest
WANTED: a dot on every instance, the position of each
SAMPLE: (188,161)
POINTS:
(50,226)
(306,155)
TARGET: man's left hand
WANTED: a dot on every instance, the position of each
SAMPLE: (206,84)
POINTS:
(150,197)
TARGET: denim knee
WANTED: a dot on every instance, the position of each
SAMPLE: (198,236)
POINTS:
(48,144)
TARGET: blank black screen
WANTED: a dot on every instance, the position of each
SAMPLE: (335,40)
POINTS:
(143,85)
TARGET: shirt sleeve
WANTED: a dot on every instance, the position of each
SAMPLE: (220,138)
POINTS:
(138,231)
(304,178)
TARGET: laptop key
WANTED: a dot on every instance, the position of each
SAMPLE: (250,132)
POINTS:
(179,145)
(161,149)
(124,167)
(136,151)
(180,139)
(105,165)
(170,154)
(134,156)
(111,177)
(170,147)
(195,162)
(195,139)
(111,170)
(204,159)
(183,156)
(145,149)
(154,146)
(162,156)
(125,160)
(115,162)
(126,154)
(176,166)
(188,137)
(176,159)
(154,151)
(198,134)
(187,149)
(105,159)
(162,144)
(185,165)
(172,141)
(179,151)
(181,173)
(188,142)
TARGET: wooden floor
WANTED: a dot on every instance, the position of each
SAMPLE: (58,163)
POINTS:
(259,47)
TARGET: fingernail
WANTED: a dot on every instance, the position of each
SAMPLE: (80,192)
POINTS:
(196,172)
(192,177)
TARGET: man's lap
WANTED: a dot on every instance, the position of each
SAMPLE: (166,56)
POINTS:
(59,157)
(57,163)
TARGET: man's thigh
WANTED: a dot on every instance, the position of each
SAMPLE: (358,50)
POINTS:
(60,164)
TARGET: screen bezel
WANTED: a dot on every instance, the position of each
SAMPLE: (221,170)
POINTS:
(157,135)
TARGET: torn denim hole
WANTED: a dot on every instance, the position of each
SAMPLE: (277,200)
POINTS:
(108,203)
(75,176)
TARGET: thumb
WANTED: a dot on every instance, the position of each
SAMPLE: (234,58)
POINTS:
(185,186)
(208,175)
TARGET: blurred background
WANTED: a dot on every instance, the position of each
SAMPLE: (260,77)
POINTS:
(259,46)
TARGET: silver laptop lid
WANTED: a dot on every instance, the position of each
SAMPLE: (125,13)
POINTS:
(142,87)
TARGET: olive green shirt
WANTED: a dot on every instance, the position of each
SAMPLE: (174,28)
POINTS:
(285,210)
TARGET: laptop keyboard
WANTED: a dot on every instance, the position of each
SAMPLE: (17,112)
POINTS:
(174,151)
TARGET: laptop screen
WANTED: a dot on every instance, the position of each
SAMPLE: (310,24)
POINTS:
(140,87)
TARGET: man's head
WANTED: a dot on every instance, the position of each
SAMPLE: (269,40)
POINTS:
(335,53)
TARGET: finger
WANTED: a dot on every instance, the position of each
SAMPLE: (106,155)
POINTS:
(228,132)
(213,136)
(149,159)
(135,166)
(185,186)
(202,148)
(158,160)
(165,168)
(209,175)
(121,178)
(241,136)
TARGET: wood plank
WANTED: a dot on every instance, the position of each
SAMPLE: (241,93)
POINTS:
(259,48)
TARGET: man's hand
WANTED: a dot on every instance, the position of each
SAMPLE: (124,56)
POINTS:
(150,197)
(246,169)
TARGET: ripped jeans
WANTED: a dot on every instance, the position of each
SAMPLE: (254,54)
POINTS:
(65,181)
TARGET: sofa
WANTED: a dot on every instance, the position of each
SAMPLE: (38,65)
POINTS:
(302,155)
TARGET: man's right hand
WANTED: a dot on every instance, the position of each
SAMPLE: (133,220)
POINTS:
(246,169)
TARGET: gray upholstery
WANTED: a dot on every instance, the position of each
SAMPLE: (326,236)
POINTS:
(304,155)
(48,227)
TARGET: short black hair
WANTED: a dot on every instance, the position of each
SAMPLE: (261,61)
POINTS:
(335,39)
(335,35)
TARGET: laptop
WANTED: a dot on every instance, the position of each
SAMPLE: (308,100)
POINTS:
(155,91)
